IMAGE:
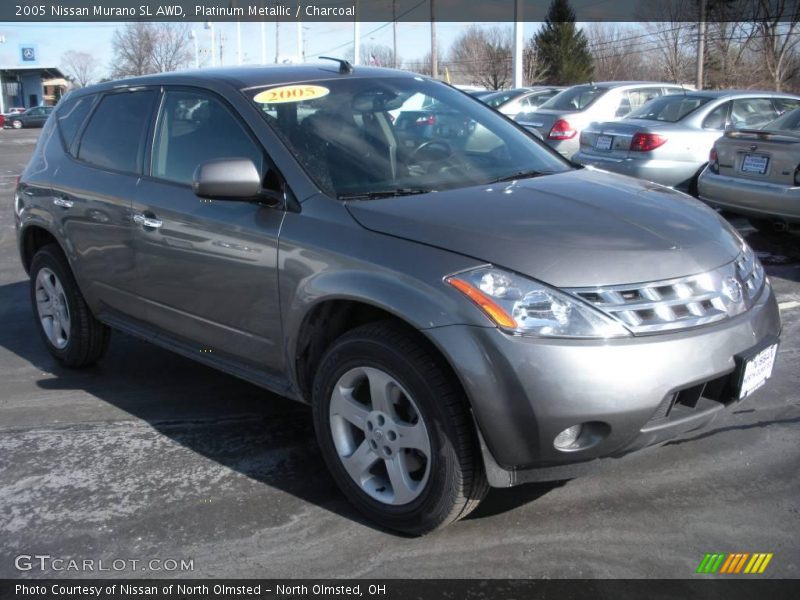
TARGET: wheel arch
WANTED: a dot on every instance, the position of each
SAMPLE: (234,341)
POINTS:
(32,238)
(329,319)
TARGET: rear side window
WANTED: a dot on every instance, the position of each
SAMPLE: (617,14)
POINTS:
(193,128)
(70,117)
(115,135)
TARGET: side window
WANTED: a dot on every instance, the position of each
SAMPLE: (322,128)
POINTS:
(116,131)
(70,116)
(717,118)
(749,113)
(194,127)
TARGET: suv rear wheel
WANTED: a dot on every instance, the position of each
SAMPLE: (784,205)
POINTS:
(395,430)
(68,328)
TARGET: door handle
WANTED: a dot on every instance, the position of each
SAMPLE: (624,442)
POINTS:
(62,202)
(144,221)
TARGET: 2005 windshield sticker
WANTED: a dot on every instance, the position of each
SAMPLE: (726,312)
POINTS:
(291,93)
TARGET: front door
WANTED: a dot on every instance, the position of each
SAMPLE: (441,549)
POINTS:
(207,268)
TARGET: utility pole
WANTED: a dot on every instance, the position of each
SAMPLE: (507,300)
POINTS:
(434,48)
(277,41)
(701,45)
(238,42)
(518,31)
(300,56)
(221,46)
(394,34)
(210,25)
(263,43)
(356,37)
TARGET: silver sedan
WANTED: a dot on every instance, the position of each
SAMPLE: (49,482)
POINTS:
(668,139)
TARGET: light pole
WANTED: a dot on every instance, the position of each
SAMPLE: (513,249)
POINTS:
(193,37)
(210,25)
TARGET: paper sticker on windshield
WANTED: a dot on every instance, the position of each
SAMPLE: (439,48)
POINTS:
(291,93)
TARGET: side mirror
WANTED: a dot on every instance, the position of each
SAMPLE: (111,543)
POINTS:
(228,179)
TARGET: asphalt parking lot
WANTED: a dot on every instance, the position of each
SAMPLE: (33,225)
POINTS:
(151,456)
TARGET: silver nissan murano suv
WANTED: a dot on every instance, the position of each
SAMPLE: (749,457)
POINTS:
(461,307)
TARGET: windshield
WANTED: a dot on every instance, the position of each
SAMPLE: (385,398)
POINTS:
(398,135)
(575,98)
(669,109)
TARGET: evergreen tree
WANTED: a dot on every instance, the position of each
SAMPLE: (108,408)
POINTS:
(562,47)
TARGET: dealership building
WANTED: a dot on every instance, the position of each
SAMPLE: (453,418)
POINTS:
(30,86)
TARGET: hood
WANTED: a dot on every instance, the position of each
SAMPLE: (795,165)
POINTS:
(574,229)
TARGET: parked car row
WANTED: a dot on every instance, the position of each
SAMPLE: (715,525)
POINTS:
(735,150)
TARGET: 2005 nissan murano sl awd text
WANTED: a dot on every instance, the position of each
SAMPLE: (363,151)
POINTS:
(462,307)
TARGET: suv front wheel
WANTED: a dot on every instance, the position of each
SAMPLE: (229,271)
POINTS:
(395,430)
(68,328)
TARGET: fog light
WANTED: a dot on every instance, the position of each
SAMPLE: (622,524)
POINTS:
(567,438)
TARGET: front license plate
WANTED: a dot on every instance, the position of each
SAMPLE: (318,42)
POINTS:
(603,142)
(755,163)
(757,370)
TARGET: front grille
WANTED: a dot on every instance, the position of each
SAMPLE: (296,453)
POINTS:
(685,302)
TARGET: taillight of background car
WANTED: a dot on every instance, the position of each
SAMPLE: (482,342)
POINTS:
(713,162)
(426,120)
(645,142)
(562,130)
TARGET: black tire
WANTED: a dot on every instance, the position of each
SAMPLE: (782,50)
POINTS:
(88,338)
(456,482)
(17,124)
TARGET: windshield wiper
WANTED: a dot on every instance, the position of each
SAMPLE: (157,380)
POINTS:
(520,175)
(385,193)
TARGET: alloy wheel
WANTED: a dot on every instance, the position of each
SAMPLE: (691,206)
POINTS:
(52,308)
(380,436)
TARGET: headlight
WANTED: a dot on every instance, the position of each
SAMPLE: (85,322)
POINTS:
(523,306)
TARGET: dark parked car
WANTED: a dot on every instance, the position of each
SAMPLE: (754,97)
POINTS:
(458,316)
(33,117)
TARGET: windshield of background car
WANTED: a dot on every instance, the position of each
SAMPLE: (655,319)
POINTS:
(788,122)
(398,135)
(669,109)
(498,98)
(575,98)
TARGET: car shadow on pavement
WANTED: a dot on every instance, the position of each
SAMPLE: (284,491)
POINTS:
(266,438)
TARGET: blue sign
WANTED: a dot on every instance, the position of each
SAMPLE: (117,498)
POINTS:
(28,53)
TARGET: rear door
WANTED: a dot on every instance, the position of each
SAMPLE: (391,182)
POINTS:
(104,136)
(208,268)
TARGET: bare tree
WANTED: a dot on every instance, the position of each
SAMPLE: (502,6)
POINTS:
(80,67)
(672,36)
(620,53)
(483,56)
(143,48)
(533,68)
(171,50)
(776,24)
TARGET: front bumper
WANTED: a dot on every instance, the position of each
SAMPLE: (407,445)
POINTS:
(750,198)
(524,391)
(672,173)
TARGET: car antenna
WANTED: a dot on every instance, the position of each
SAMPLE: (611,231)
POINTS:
(344,66)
